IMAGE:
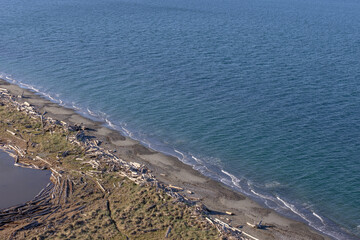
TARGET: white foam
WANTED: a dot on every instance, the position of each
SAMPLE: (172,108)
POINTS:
(293,209)
(234,179)
(318,217)
(31,87)
(201,167)
(73,105)
(196,159)
(50,97)
(182,155)
(272,184)
(146,142)
(127,132)
(91,112)
(110,123)
(261,195)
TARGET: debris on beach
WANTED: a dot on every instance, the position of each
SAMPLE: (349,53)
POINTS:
(85,175)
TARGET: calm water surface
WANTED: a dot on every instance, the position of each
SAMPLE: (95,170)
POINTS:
(18,185)
(262,95)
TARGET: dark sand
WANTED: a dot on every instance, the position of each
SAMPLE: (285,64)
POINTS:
(19,185)
(216,196)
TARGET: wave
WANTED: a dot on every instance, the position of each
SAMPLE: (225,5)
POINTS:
(322,220)
(234,179)
(75,107)
(109,123)
(293,209)
(91,112)
(182,155)
(196,159)
(31,87)
(213,171)
(273,184)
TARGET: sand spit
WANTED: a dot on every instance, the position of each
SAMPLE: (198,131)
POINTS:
(96,163)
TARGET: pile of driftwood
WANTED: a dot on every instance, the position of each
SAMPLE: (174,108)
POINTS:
(41,205)
(101,160)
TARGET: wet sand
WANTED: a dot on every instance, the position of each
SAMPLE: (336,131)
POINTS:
(19,185)
(217,197)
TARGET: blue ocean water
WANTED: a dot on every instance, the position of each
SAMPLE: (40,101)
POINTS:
(262,95)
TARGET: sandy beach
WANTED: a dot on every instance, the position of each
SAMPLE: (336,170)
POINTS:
(217,197)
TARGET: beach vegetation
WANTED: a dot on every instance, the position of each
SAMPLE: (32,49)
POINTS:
(125,210)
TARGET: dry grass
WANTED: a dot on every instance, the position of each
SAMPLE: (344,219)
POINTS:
(126,211)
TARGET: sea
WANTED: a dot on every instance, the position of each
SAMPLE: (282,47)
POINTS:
(262,95)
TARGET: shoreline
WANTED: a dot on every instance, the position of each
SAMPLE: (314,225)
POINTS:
(216,196)
(89,184)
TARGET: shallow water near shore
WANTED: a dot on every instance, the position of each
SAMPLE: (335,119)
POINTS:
(19,185)
(261,95)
